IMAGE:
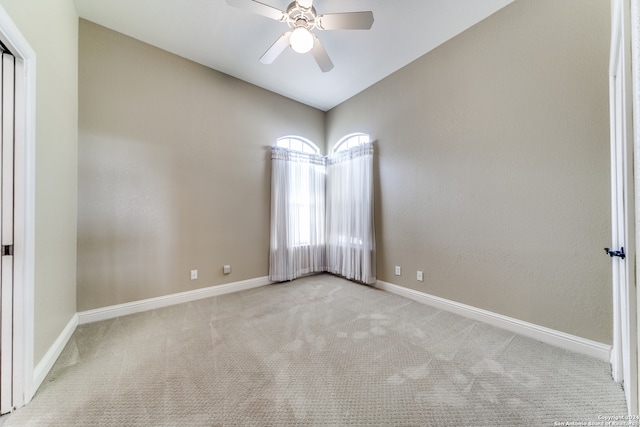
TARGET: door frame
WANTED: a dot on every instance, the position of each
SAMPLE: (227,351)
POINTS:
(625,174)
(24,216)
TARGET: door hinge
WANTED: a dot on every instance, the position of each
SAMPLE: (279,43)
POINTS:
(7,250)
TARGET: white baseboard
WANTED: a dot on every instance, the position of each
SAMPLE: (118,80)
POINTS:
(114,311)
(539,333)
(46,363)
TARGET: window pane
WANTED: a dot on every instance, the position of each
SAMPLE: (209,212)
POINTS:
(351,141)
(297,143)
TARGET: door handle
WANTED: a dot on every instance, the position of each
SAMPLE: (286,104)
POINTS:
(619,253)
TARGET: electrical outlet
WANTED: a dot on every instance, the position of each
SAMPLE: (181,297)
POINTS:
(419,276)
(398,270)
(194,274)
(226,269)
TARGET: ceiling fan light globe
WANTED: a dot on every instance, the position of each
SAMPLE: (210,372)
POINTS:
(301,40)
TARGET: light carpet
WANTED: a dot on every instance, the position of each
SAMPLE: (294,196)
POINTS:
(319,351)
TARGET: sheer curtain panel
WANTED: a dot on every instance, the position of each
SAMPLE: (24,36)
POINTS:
(297,214)
(351,247)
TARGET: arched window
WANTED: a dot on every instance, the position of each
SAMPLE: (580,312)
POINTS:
(350,141)
(298,143)
(299,178)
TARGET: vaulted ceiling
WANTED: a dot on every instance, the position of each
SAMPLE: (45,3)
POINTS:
(231,40)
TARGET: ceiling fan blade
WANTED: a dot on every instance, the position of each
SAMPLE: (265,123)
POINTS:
(276,49)
(345,21)
(320,55)
(259,9)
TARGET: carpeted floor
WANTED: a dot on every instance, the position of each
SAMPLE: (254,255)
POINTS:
(317,351)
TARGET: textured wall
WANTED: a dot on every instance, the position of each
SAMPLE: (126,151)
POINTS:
(51,28)
(493,160)
(174,170)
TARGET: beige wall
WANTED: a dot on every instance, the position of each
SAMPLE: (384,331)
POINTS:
(173,171)
(51,28)
(494,166)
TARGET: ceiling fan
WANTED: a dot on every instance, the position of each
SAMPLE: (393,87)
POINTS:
(301,18)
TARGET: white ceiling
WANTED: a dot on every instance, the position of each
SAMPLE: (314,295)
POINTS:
(230,40)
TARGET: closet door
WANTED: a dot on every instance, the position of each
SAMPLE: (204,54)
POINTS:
(7,135)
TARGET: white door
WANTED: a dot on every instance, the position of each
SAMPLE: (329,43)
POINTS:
(624,359)
(7,105)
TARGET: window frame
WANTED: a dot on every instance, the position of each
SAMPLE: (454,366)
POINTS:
(346,142)
(304,143)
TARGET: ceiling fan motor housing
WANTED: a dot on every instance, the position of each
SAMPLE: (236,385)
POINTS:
(299,16)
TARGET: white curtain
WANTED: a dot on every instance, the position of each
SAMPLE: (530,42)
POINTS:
(350,238)
(297,214)
(300,208)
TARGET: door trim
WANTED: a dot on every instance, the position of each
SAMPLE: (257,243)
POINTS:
(24,232)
